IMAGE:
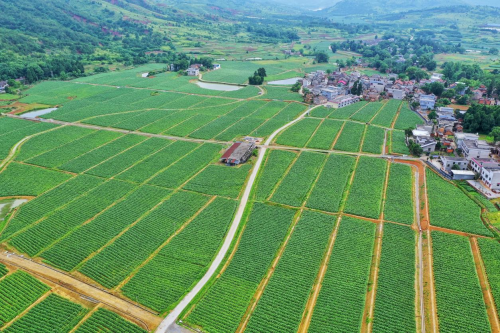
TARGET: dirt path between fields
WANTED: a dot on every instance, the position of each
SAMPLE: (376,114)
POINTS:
(75,285)
(485,286)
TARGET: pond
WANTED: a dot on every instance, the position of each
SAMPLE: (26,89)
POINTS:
(218,86)
(37,113)
(285,82)
(7,205)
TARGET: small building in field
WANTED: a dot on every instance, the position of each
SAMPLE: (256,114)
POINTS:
(238,153)
(193,71)
(216,67)
(449,162)
(462,175)
(343,101)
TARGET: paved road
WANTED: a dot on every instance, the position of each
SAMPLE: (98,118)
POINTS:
(172,317)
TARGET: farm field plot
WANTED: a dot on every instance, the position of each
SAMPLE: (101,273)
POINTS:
(341,301)
(490,252)
(464,215)
(58,92)
(325,135)
(142,239)
(26,180)
(387,114)
(298,134)
(281,94)
(54,313)
(407,118)
(395,297)
(296,184)
(223,305)
(13,136)
(399,205)
(348,111)
(183,261)
(104,320)
(17,292)
(278,161)
(368,112)
(329,190)
(365,195)
(296,270)
(374,140)
(459,297)
(220,180)
(398,143)
(350,137)
(321,112)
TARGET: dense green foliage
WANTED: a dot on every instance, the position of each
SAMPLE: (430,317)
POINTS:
(459,297)
(278,161)
(399,206)
(490,251)
(104,320)
(395,299)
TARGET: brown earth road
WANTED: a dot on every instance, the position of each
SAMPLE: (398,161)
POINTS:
(456,232)
(485,286)
(75,285)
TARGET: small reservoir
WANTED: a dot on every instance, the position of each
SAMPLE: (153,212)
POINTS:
(37,113)
(218,86)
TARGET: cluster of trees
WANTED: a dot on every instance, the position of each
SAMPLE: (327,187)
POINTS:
(272,34)
(357,88)
(481,118)
(417,52)
(258,77)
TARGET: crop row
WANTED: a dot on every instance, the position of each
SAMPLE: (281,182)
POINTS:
(296,184)
(223,306)
(74,149)
(395,297)
(374,140)
(155,163)
(329,190)
(365,196)
(243,127)
(325,135)
(94,157)
(165,123)
(37,237)
(220,180)
(50,140)
(278,310)
(387,114)
(182,261)
(21,179)
(459,297)
(128,158)
(368,112)
(17,292)
(346,112)
(9,140)
(276,165)
(398,143)
(49,202)
(73,249)
(350,138)
(113,264)
(341,301)
(407,118)
(298,134)
(53,314)
(490,251)
(177,174)
(104,320)
(399,205)
(464,215)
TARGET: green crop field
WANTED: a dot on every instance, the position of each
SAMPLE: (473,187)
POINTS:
(350,137)
(460,303)
(398,143)
(464,215)
(367,112)
(407,118)
(298,134)
(277,163)
(386,116)
(325,135)
(399,205)
(341,301)
(373,141)
(491,257)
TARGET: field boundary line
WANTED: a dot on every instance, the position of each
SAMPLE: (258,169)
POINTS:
(318,284)
(378,112)
(86,317)
(362,141)
(397,115)
(25,311)
(269,274)
(352,115)
(165,243)
(256,130)
(112,240)
(174,314)
(314,133)
(336,138)
(285,174)
(482,275)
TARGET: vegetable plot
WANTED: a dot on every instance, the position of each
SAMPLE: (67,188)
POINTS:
(104,320)
(399,205)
